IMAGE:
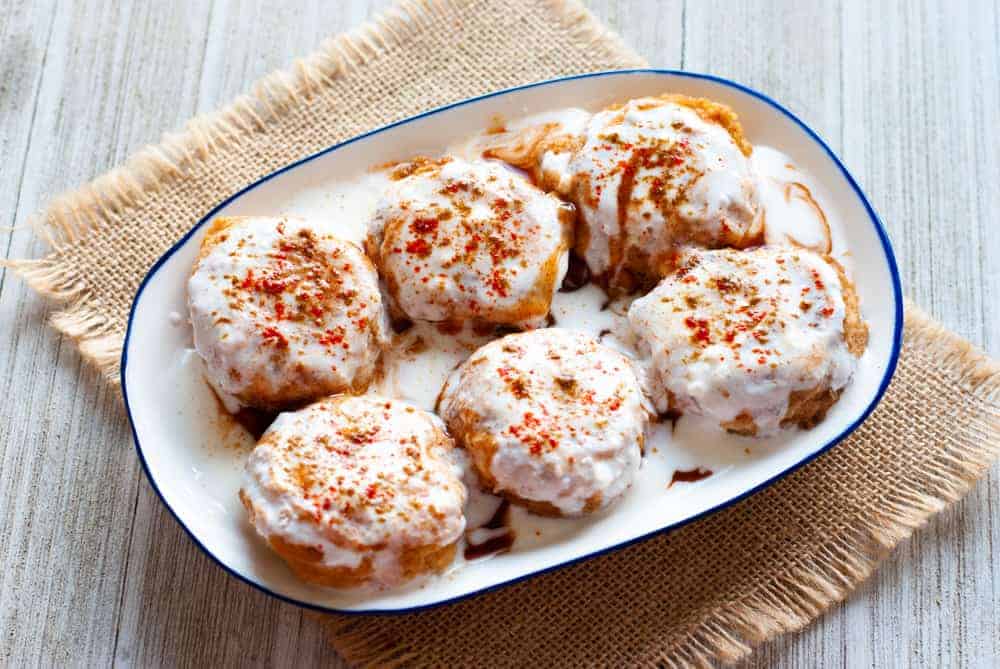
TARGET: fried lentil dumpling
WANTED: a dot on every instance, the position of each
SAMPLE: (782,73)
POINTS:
(470,241)
(754,340)
(356,491)
(284,312)
(551,419)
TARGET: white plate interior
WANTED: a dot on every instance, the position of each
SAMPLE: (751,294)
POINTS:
(196,473)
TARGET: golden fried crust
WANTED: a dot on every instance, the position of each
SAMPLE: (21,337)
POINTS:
(401,169)
(306,561)
(547,509)
(855,329)
(413,562)
(524,149)
(807,408)
(215,234)
(715,112)
(743,424)
(300,389)
(479,444)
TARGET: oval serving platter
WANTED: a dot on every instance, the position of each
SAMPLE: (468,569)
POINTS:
(187,446)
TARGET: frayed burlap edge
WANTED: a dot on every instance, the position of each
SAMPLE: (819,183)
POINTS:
(89,209)
(797,598)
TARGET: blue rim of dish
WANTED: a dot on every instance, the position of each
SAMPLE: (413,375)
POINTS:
(887,377)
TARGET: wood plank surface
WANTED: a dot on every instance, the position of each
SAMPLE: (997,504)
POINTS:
(94,572)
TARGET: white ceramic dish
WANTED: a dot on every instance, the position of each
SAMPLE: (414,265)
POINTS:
(176,423)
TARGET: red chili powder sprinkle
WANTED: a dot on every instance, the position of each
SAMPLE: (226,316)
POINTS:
(473,243)
(424,225)
(419,247)
(700,328)
(498,283)
(817,281)
(273,286)
(272,334)
(332,337)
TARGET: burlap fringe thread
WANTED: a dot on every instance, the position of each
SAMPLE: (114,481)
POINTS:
(789,603)
(90,209)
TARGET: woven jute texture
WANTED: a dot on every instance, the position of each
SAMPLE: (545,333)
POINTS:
(701,594)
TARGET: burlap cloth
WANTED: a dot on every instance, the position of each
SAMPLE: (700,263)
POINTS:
(767,565)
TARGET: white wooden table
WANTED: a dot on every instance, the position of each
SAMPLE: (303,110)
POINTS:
(93,571)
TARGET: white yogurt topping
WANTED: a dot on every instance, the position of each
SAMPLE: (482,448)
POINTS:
(282,309)
(795,206)
(735,332)
(464,240)
(679,178)
(355,478)
(564,414)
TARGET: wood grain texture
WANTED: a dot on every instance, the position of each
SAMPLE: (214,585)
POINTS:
(94,571)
